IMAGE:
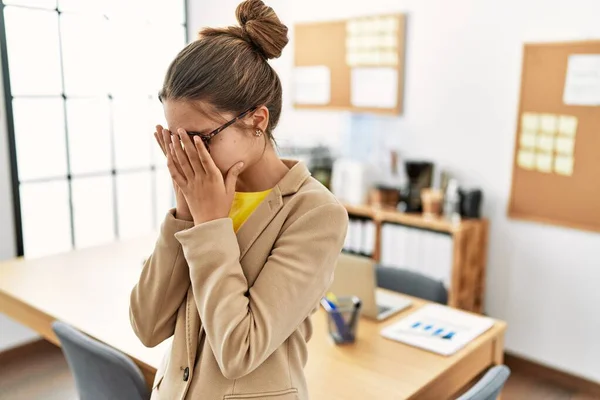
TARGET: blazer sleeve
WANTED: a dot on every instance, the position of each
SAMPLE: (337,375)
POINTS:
(162,286)
(244,326)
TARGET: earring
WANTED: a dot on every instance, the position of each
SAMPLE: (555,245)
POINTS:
(258,132)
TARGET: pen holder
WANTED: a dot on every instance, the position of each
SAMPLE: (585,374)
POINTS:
(342,318)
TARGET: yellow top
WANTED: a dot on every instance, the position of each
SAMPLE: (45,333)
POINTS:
(244,204)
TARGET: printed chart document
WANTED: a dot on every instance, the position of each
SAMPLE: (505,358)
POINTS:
(582,86)
(375,87)
(438,329)
(312,85)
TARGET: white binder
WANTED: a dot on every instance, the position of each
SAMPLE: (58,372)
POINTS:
(368,237)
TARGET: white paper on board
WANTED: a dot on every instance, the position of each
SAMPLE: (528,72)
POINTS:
(312,85)
(582,85)
(374,87)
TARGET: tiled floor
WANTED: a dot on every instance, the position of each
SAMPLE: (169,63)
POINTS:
(46,376)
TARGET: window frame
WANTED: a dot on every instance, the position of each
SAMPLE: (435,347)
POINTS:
(12,142)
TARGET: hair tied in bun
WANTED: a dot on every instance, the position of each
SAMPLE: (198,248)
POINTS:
(261,26)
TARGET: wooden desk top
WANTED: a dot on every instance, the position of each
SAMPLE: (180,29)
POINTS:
(90,289)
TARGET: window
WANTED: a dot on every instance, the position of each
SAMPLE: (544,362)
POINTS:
(81,80)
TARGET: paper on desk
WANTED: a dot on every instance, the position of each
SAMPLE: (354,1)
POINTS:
(312,85)
(425,328)
(374,87)
(582,84)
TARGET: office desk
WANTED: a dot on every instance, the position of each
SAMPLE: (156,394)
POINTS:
(90,288)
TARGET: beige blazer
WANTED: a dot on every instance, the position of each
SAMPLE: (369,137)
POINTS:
(238,305)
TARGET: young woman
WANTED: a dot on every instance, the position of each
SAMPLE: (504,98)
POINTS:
(249,250)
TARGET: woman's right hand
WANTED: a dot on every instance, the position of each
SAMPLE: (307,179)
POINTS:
(182,210)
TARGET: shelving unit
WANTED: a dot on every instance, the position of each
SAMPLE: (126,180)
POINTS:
(469,251)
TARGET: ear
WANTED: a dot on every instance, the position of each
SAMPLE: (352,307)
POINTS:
(260,118)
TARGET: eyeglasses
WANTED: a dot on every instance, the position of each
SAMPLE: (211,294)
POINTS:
(206,137)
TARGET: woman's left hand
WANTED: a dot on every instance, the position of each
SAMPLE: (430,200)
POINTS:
(207,193)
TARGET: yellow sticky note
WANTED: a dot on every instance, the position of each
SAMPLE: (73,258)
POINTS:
(371,25)
(565,145)
(526,159)
(528,139)
(363,42)
(530,122)
(548,123)
(391,24)
(545,143)
(563,165)
(391,58)
(352,27)
(543,162)
(352,59)
(361,27)
(389,41)
(567,125)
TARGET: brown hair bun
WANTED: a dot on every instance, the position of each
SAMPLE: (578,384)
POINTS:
(262,27)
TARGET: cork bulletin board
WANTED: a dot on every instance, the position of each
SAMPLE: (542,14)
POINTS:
(353,65)
(556,168)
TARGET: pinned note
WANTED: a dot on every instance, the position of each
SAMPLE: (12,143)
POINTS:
(372,41)
(543,162)
(526,159)
(528,139)
(312,85)
(565,145)
(353,27)
(389,41)
(374,87)
(582,84)
(548,123)
(530,122)
(390,57)
(567,125)
(545,143)
(563,165)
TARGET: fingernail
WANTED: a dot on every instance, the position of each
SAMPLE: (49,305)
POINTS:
(181,131)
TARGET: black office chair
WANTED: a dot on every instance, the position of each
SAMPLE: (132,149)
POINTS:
(411,283)
(101,372)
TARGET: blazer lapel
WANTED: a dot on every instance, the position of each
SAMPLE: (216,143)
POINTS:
(266,211)
(258,220)
(193,325)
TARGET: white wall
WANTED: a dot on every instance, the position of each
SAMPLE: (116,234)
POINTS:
(11,333)
(462,90)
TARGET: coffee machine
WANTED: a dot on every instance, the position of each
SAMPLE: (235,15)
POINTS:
(420,174)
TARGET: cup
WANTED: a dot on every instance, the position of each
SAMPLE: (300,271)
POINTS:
(431,199)
(342,318)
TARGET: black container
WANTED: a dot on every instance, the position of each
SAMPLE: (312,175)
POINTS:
(470,203)
(419,174)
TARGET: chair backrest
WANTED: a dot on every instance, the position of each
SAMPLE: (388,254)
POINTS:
(101,372)
(489,386)
(411,283)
